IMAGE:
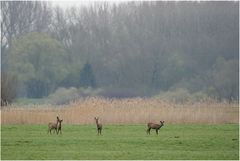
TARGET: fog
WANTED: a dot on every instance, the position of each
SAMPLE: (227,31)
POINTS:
(175,50)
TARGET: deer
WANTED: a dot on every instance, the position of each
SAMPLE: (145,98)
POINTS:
(53,126)
(154,126)
(59,126)
(99,126)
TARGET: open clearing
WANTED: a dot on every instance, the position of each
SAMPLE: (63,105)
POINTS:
(121,142)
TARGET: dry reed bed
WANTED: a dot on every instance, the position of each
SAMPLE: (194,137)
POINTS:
(123,111)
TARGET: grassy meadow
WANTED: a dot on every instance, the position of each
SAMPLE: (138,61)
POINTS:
(206,130)
(80,142)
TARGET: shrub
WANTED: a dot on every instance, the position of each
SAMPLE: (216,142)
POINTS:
(181,95)
(64,96)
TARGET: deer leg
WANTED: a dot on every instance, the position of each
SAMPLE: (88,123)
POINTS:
(49,131)
(149,130)
(157,131)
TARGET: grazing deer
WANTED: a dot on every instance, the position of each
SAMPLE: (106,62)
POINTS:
(59,126)
(99,126)
(53,126)
(154,126)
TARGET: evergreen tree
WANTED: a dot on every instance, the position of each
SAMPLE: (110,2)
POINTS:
(87,78)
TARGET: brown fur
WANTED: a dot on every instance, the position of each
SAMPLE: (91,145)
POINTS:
(59,127)
(154,126)
(53,126)
(99,126)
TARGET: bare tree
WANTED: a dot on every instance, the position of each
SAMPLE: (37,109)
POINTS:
(21,17)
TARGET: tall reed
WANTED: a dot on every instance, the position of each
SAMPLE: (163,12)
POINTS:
(123,111)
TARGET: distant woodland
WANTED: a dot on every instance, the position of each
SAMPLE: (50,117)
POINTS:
(172,50)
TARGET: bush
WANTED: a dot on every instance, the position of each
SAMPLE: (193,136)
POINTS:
(64,96)
(181,95)
(199,96)
(88,92)
(67,95)
(178,95)
(116,92)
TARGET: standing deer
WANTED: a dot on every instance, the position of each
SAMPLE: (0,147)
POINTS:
(154,126)
(99,126)
(59,126)
(53,126)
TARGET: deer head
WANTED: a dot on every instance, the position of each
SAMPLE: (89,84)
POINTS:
(162,123)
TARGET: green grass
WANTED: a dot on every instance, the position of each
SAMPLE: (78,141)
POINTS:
(80,142)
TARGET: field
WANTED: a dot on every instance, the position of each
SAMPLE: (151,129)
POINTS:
(205,130)
(79,142)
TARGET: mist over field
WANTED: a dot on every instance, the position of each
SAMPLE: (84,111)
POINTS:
(178,51)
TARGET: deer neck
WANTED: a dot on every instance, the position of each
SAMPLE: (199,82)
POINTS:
(97,123)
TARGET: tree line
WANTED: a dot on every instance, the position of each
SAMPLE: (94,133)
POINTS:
(126,50)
